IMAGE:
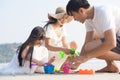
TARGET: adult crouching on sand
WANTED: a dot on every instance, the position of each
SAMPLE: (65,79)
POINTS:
(101,20)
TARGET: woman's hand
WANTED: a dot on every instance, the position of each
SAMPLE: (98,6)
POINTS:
(66,50)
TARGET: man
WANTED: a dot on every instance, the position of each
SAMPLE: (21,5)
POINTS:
(103,21)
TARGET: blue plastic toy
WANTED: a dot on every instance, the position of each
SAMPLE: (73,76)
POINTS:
(48,68)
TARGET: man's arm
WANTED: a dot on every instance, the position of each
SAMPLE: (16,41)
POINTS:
(107,45)
(89,37)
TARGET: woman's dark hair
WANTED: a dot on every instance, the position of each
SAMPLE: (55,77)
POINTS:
(74,5)
(51,21)
(37,33)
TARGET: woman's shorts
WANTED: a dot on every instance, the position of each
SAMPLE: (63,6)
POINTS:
(117,48)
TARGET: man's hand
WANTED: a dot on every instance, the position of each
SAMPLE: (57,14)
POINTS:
(76,61)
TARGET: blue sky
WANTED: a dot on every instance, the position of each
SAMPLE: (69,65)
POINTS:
(18,17)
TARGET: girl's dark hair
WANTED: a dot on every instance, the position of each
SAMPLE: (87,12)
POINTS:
(36,33)
(74,5)
(51,21)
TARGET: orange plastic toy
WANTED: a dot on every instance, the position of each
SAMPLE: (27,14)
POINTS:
(91,71)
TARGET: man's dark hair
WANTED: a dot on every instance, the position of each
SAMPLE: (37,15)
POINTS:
(74,5)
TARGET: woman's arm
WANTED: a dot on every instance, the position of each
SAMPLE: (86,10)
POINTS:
(65,43)
(53,48)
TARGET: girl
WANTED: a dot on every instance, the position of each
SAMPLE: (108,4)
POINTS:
(55,36)
(31,55)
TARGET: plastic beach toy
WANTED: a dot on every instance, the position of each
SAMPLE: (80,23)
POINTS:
(56,70)
(86,71)
(66,68)
(61,54)
(48,68)
(74,53)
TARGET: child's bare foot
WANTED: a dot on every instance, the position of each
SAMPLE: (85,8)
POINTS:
(110,69)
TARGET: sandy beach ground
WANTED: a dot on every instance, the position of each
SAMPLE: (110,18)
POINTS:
(94,64)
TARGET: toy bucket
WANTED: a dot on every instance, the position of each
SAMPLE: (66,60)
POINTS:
(48,69)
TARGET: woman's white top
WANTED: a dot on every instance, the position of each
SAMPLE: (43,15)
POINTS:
(55,39)
(57,42)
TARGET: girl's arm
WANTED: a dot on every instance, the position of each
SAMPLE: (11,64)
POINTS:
(39,63)
(52,59)
(24,53)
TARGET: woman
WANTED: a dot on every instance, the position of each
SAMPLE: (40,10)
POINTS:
(56,37)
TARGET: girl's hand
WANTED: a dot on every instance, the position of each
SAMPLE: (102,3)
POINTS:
(52,59)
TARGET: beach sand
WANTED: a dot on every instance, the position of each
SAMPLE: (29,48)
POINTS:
(92,64)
